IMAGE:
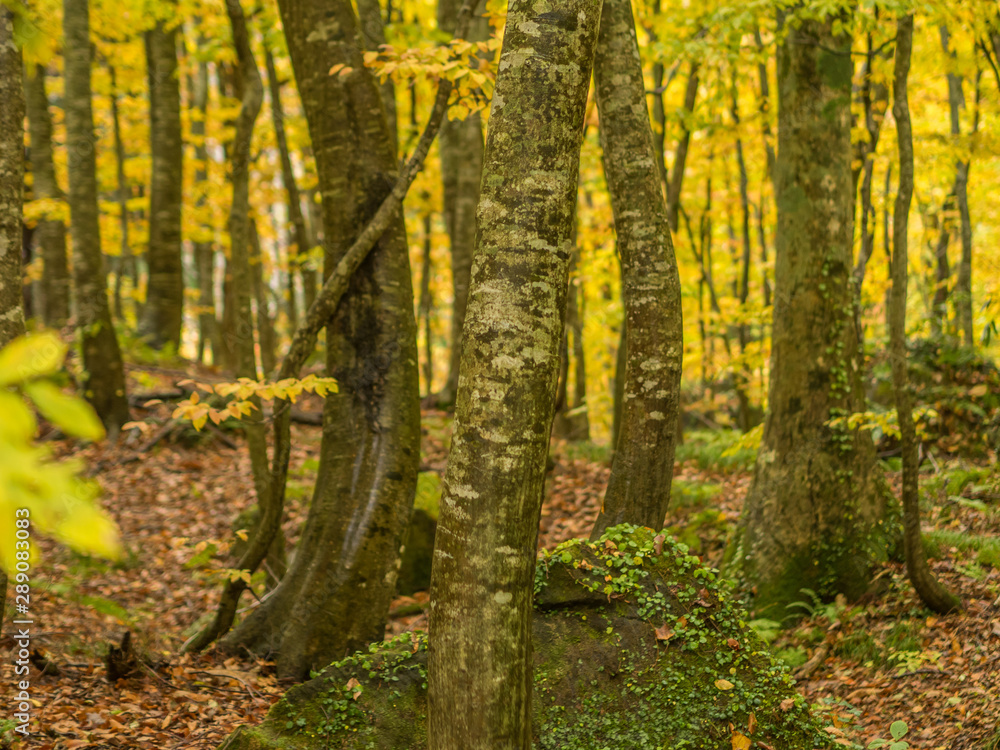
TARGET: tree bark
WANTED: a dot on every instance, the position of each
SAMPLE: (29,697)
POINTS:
(264,323)
(479,665)
(162,314)
(425,305)
(461,146)
(335,595)
(50,234)
(815,508)
(11,199)
(643,465)
(930,591)
(104,374)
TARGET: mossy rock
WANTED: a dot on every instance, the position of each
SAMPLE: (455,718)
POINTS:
(636,646)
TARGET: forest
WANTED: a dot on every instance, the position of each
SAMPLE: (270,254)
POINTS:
(483,375)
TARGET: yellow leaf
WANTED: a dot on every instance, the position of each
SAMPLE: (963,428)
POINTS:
(724,685)
(18,423)
(31,356)
(72,415)
(740,742)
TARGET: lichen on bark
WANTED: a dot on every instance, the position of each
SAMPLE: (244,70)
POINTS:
(641,472)
(485,549)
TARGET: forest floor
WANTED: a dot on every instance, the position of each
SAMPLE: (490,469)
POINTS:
(866,664)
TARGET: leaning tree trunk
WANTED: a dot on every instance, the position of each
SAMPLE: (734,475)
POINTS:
(814,513)
(335,596)
(11,197)
(461,145)
(643,466)
(484,558)
(931,592)
(680,155)
(163,312)
(104,374)
(50,233)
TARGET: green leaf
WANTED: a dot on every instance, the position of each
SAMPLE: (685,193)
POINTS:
(897,729)
(71,414)
(31,357)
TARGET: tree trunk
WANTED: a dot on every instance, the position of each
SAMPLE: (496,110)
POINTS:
(163,313)
(300,234)
(930,591)
(373,36)
(11,199)
(680,156)
(125,261)
(484,559)
(426,302)
(962,293)
(204,252)
(104,375)
(815,509)
(50,234)
(264,323)
(643,466)
(335,596)
(461,146)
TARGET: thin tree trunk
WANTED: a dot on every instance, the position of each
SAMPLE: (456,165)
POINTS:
(104,374)
(643,465)
(680,155)
(813,514)
(930,591)
(962,293)
(295,215)
(748,417)
(425,306)
(461,146)
(50,234)
(765,107)
(162,315)
(204,252)
(264,324)
(479,664)
(11,200)
(124,260)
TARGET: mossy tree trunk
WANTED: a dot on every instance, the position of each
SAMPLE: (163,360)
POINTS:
(933,594)
(11,198)
(373,35)
(104,374)
(814,510)
(335,596)
(50,234)
(484,558)
(163,312)
(461,145)
(641,472)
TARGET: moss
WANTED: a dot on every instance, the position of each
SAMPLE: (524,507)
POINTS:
(629,627)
